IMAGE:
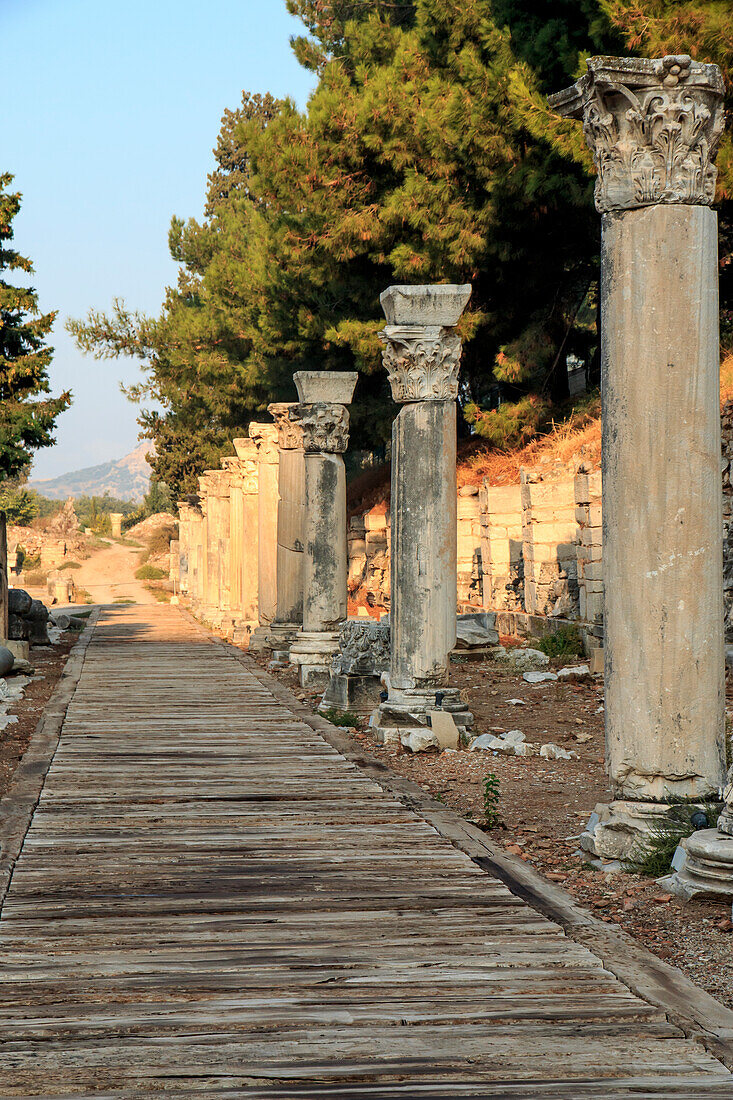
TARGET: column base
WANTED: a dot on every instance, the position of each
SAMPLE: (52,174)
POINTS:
(409,709)
(704,864)
(622,829)
(355,692)
(312,652)
(259,639)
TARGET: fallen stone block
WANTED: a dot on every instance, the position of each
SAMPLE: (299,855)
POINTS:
(528,660)
(539,677)
(419,739)
(6,660)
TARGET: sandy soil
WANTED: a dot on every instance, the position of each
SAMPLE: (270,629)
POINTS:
(109,575)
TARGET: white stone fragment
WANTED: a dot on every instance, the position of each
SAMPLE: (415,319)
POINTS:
(516,702)
(486,741)
(574,673)
(550,751)
(539,677)
(514,737)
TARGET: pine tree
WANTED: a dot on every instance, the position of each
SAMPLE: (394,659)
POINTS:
(27,419)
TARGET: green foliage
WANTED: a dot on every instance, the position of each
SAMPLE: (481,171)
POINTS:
(19,504)
(70,565)
(414,162)
(340,717)
(564,642)
(491,795)
(158,499)
(149,573)
(27,416)
(94,511)
(655,859)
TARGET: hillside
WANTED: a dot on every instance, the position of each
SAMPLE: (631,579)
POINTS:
(128,479)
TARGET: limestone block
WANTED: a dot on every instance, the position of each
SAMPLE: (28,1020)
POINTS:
(374,521)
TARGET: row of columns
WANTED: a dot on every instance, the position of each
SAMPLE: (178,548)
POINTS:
(654,128)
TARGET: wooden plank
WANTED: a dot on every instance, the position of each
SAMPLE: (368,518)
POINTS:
(211,900)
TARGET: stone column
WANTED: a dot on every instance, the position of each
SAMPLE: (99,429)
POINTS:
(654,127)
(204,595)
(3,577)
(115,519)
(325,424)
(215,485)
(230,464)
(288,619)
(185,524)
(264,436)
(422,353)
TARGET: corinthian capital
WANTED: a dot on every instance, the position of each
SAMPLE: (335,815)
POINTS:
(653,127)
(289,430)
(422,362)
(422,351)
(325,427)
(264,437)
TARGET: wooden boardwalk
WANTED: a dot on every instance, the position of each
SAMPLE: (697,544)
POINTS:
(211,901)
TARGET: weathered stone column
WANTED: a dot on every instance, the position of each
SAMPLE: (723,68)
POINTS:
(325,424)
(288,619)
(216,607)
(205,594)
(3,578)
(654,128)
(115,520)
(422,354)
(264,436)
(243,538)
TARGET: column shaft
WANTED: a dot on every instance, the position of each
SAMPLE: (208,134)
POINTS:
(325,562)
(423,560)
(662,503)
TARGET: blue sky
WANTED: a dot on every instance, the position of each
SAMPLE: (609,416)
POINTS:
(111,111)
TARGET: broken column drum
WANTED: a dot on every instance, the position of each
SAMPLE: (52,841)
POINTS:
(264,436)
(421,354)
(324,421)
(654,127)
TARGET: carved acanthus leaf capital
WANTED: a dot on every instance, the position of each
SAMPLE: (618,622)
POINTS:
(422,362)
(653,126)
(264,437)
(289,428)
(364,648)
(325,427)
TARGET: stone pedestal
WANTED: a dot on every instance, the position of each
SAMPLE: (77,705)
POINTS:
(325,426)
(264,436)
(288,619)
(704,862)
(115,520)
(356,670)
(654,128)
(422,354)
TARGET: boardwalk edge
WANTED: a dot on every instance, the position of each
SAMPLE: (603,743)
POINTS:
(19,802)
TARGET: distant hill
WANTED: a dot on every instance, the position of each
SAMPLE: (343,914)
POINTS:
(127,479)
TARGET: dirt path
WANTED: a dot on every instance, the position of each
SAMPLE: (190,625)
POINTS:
(109,575)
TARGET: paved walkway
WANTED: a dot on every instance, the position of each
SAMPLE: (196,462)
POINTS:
(212,901)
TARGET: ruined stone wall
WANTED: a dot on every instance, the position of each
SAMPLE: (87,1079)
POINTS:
(502,557)
(470,572)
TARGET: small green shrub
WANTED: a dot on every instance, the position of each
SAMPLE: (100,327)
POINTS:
(340,717)
(565,642)
(656,858)
(150,573)
(29,562)
(491,800)
(123,599)
(70,565)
